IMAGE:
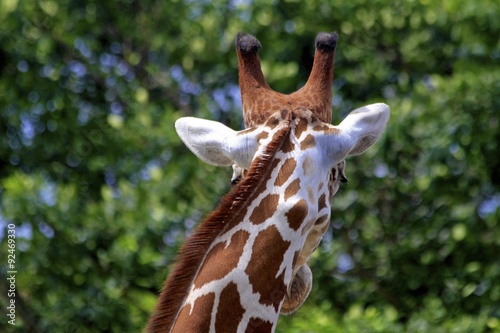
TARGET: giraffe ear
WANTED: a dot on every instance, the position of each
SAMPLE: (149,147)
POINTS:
(215,143)
(359,130)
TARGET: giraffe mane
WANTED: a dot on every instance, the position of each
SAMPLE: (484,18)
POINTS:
(192,253)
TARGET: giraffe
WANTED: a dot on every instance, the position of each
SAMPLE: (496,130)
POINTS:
(247,261)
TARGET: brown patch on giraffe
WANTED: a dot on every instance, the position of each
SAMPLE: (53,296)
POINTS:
(297,214)
(257,325)
(262,136)
(265,209)
(288,146)
(287,170)
(274,164)
(292,188)
(301,127)
(308,166)
(199,319)
(321,127)
(263,266)
(322,202)
(222,259)
(229,303)
(310,193)
(308,142)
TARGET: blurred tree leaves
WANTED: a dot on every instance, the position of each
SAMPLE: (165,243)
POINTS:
(102,191)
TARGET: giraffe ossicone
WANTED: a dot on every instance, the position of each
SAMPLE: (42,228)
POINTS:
(247,262)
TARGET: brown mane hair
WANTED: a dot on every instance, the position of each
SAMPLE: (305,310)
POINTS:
(193,251)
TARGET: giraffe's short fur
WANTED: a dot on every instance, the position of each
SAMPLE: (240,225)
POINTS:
(247,261)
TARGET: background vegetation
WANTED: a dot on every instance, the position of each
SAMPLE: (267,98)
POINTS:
(102,191)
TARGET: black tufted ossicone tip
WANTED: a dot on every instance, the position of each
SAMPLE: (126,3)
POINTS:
(246,43)
(326,41)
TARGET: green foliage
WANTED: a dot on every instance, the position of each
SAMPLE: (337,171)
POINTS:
(102,192)
(362,318)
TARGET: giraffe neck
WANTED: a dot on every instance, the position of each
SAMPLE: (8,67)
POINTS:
(234,272)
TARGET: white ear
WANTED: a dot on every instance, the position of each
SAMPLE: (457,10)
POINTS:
(359,130)
(215,143)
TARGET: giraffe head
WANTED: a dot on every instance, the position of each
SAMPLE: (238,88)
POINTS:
(259,101)
(249,257)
